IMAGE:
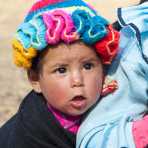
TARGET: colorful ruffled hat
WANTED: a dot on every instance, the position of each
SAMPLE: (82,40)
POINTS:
(52,21)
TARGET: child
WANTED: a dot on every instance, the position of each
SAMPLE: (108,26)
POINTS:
(118,120)
(59,45)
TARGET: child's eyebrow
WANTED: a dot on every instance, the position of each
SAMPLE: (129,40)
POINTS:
(93,59)
(66,63)
(59,65)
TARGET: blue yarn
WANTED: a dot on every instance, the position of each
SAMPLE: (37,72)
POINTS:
(24,39)
(66,3)
(91,29)
(96,30)
(33,31)
(80,17)
(32,34)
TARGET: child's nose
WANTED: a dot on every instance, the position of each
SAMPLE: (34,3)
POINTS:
(77,79)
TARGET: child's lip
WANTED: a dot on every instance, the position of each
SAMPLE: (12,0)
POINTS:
(79,102)
(79,97)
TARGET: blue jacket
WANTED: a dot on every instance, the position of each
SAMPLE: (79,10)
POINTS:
(109,124)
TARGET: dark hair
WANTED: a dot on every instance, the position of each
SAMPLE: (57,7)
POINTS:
(37,61)
(142,1)
(116,26)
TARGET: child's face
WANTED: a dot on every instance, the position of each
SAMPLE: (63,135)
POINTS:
(71,78)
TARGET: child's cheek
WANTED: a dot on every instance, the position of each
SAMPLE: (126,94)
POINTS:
(59,92)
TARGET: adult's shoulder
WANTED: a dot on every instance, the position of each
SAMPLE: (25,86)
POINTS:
(6,132)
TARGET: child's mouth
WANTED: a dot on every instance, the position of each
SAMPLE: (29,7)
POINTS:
(79,102)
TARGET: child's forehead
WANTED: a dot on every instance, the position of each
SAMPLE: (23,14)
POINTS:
(77,50)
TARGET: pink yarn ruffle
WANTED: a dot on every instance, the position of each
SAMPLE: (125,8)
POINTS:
(59,27)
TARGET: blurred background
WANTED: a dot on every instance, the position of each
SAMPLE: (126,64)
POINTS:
(13,81)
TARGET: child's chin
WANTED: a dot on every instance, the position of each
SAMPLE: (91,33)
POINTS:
(76,112)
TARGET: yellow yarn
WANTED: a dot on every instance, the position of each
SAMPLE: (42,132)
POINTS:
(22,57)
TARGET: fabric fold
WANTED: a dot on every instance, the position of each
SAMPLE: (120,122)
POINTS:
(109,124)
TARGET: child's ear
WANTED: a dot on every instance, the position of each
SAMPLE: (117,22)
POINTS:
(33,78)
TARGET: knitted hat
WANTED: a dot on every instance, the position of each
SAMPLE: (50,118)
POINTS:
(51,21)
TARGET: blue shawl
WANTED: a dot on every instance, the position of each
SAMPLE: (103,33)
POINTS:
(109,124)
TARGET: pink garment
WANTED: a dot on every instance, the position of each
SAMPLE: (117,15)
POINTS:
(140,132)
(71,123)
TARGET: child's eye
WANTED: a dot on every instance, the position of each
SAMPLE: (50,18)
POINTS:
(61,70)
(88,66)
